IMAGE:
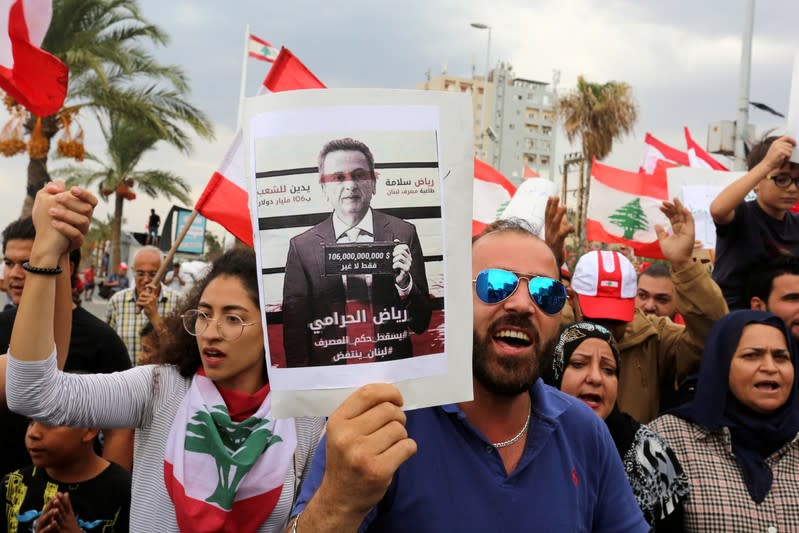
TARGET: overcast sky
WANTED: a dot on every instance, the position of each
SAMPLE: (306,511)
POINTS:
(681,57)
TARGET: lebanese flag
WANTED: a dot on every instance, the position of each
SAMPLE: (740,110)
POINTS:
(289,74)
(34,78)
(698,157)
(492,193)
(655,150)
(261,50)
(530,172)
(224,199)
(213,485)
(624,207)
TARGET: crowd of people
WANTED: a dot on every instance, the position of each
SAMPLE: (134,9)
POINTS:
(160,419)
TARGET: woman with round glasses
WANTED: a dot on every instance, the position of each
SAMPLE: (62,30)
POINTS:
(586,365)
(209,455)
(751,231)
(739,438)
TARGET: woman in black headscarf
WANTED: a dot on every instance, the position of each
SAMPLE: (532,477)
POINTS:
(586,365)
(738,437)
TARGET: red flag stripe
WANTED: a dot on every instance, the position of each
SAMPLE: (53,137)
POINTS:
(38,79)
(701,153)
(485,172)
(226,203)
(655,185)
(672,154)
(595,232)
(247,514)
(289,74)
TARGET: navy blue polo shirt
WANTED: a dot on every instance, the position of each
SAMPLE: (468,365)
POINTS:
(570,477)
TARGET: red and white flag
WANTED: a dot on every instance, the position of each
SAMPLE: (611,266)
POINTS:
(225,476)
(492,193)
(261,50)
(698,157)
(224,199)
(625,206)
(34,78)
(530,172)
(655,150)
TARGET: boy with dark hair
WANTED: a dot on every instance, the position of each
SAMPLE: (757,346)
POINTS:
(68,488)
(749,232)
(774,287)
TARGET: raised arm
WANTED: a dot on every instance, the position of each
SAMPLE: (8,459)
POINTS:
(722,208)
(61,220)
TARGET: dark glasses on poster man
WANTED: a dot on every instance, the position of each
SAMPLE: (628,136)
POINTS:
(494,285)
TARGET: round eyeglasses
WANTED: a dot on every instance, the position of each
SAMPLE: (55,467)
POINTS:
(783,181)
(230,327)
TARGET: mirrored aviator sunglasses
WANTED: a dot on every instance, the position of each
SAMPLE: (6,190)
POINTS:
(495,285)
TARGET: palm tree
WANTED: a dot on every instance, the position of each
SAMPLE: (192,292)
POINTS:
(101,41)
(99,233)
(598,114)
(127,141)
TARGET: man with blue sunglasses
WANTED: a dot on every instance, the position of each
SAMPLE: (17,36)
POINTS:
(521,456)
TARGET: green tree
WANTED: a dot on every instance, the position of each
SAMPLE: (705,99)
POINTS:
(598,114)
(631,218)
(127,141)
(213,248)
(102,42)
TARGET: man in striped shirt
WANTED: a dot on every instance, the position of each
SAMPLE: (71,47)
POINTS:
(130,309)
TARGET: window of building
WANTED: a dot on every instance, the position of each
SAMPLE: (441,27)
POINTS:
(547,130)
(544,160)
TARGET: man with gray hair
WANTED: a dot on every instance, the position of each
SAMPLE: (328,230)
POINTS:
(130,309)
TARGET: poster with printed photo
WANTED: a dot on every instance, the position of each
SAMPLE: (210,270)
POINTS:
(348,202)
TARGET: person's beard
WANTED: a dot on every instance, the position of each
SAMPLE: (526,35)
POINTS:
(510,376)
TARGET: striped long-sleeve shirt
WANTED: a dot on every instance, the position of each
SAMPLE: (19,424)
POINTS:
(146,398)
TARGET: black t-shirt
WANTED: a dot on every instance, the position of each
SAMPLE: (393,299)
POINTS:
(752,237)
(154,222)
(100,504)
(94,347)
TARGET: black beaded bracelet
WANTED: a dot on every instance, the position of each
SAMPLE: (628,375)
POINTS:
(39,270)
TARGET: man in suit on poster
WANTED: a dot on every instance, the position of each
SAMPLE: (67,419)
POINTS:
(382,307)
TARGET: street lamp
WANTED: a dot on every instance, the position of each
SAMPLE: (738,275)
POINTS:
(481,26)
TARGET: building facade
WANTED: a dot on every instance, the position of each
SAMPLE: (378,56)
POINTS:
(519,122)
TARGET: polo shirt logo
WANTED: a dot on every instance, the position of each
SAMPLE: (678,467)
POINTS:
(575,479)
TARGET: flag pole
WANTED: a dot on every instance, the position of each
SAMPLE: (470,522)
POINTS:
(171,253)
(243,83)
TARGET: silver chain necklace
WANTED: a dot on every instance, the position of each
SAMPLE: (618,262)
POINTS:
(515,438)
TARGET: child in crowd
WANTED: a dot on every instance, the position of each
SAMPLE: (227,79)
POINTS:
(149,344)
(750,231)
(68,487)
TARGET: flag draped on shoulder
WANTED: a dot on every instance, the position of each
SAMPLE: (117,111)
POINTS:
(625,206)
(224,199)
(492,193)
(698,157)
(656,150)
(261,50)
(34,78)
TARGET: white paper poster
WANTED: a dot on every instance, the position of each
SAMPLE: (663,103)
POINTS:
(361,207)
(697,187)
(793,108)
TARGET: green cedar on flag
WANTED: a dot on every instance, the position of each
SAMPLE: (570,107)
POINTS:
(625,206)
(631,218)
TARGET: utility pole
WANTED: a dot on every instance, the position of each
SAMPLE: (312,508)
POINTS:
(742,120)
